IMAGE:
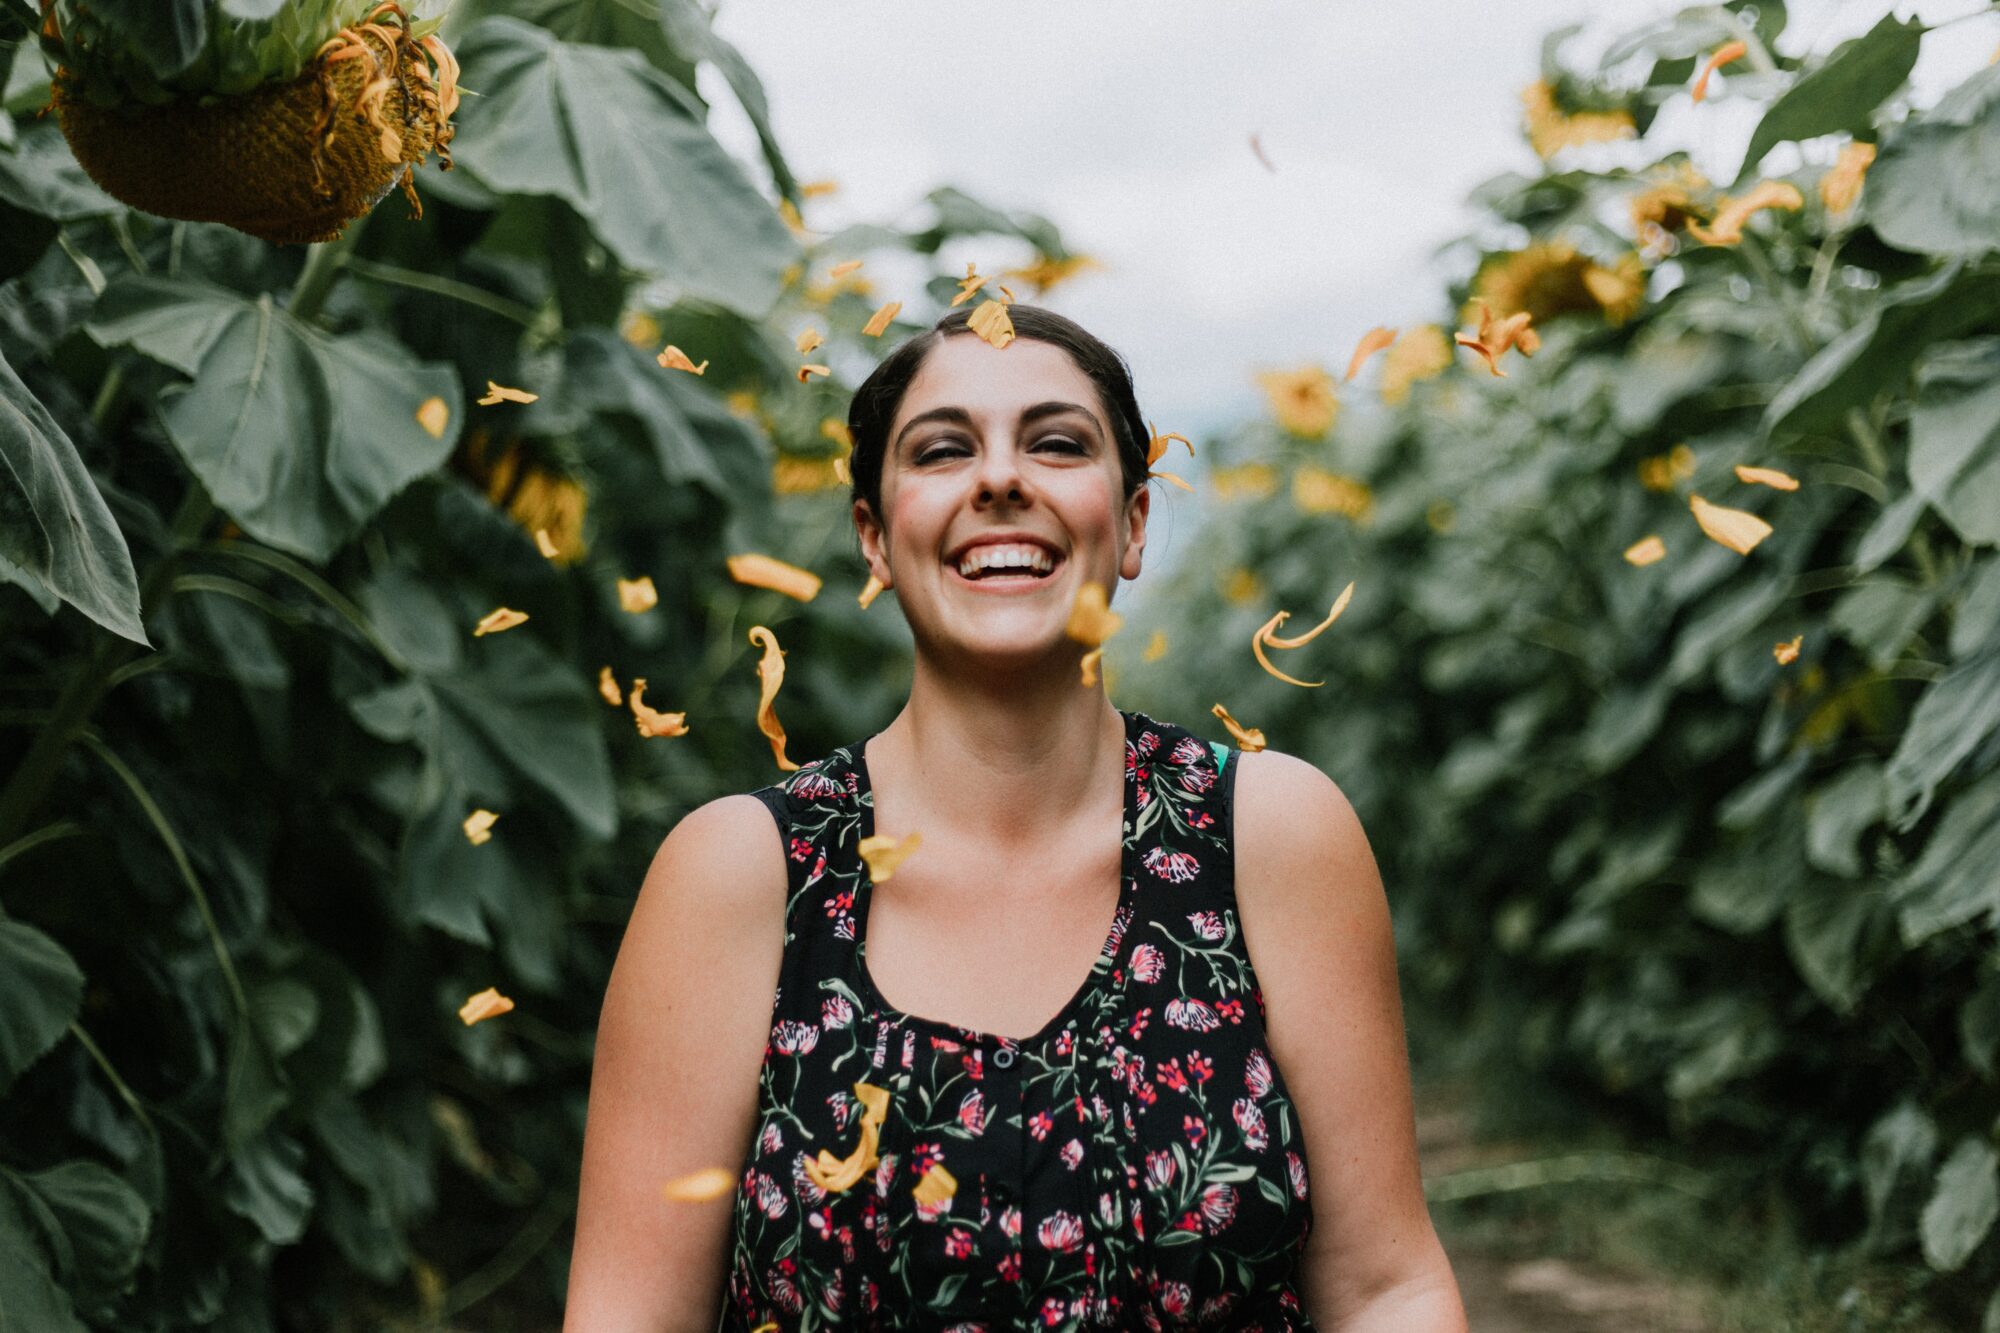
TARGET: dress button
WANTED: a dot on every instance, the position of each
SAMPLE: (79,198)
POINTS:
(1003,1057)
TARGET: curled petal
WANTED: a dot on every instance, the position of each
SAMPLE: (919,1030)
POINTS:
(991,322)
(1371,342)
(806,372)
(1725,53)
(1156,447)
(1300,641)
(808,340)
(1090,661)
(1168,476)
(1841,185)
(771,674)
(650,721)
(1250,739)
(675,359)
(1257,648)
(500,393)
(546,544)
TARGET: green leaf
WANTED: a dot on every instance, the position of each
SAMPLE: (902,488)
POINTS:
(286,1012)
(1954,717)
(40,989)
(1880,615)
(267,1185)
(1954,458)
(1979,1028)
(30,1297)
(53,522)
(1837,815)
(1976,628)
(1934,188)
(624,146)
(104,1224)
(1841,93)
(1955,879)
(1896,1152)
(174,321)
(1964,1207)
(1832,931)
(688,27)
(254,1087)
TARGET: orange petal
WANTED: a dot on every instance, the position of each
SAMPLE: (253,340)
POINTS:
(1156,447)
(1091,619)
(478,826)
(806,372)
(433,415)
(836,430)
(1156,647)
(869,591)
(884,853)
(1257,650)
(500,393)
(487,1004)
(843,268)
(711,1182)
(1168,476)
(1492,363)
(650,721)
(761,571)
(1300,641)
(1726,228)
(498,619)
(1250,739)
(991,322)
(968,284)
(1737,529)
(675,359)
(1767,476)
(1090,661)
(1725,53)
(546,544)
(607,685)
(840,470)
(808,340)
(835,1174)
(879,321)
(937,1186)
(771,674)
(1788,652)
(1371,342)
(1840,185)
(1646,550)
(636,595)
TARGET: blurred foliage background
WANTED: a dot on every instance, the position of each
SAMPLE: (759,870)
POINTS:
(1740,897)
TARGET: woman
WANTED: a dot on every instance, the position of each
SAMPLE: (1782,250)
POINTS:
(947,1097)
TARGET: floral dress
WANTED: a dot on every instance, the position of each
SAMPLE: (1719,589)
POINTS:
(1136,1164)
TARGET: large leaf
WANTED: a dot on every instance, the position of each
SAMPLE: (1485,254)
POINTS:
(1935,186)
(1957,879)
(625,147)
(300,437)
(692,34)
(40,988)
(267,1185)
(1953,718)
(1955,438)
(1842,93)
(1964,1207)
(102,1223)
(54,525)
(30,1296)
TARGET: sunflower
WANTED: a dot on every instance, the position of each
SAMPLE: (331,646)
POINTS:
(1550,278)
(1552,128)
(1419,353)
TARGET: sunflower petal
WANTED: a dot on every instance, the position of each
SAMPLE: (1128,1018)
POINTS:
(498,619)
(636,595)
(1738,529)
(489,1003)
(1257,649)
(1300,641)
(762,571)
(675,359)
(1767,476)
(771,675)
(1091,619)
(1371,342)
(808,340)
(479,826)
(884,853)
(1250,739)
(1646,550)
(991,322)
(711,1182)
(650,721)
(807,371)
(879,321)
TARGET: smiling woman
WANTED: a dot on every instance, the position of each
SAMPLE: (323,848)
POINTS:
(977,1036)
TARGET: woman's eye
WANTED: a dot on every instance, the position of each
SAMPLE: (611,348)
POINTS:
(942,450)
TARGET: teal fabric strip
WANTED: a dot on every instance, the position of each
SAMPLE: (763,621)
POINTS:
(1221,755)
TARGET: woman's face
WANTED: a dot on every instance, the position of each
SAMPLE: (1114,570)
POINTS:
(990,440)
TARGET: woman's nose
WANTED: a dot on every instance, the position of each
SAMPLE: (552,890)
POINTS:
(1000,472)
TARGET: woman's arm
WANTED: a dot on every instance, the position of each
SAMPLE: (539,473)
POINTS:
(673,1084)
(1315,920)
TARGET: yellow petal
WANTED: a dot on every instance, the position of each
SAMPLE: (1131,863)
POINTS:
(1091,619)
(937,1186)
(1090,660)
(879,321)
(806,372)
(869,591)
(639,328)
(762,571)
(607,685)
(1725,53)
(498,619)
(1840,185)
(487,1004)
(546,544)
(1156,647)
(770,675)
(1156,447)
(1788,652)
(1178,481)
(1737,529)
(843,268)
(434,416)
(1371,342)
(1646,550)
(1727,226)
(1250,739)
(650,721)
(478,826)
(991,322)
(813,190)
(836,430)
(1766,476)
(636,595)
(968,284)
(808,340)
(835,1174)
(711,1182)
(874,1102)
(884,853)
(675,359)
(1300,641)
(500,393)
(1420,354)
(840,469)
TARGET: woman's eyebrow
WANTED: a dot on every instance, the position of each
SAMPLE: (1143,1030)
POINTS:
(1029,415)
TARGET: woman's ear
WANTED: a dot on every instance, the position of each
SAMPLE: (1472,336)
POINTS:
(874,543)
(1135,532)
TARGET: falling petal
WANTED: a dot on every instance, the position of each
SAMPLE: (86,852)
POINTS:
(808,340)
(879,321)
(770,675)
(1178,481)
(1737,529)
(1662,472)
(1090,661)
(1725,53)
(840,469)
(636,595)
(813,190)
(1300,641)
(869,591)
(1258,149)
(434,416)
(884,853)
(1788,652)
(1156,447)
(1840,186)
(1767,476)
(498,619)
(835,1174)
(843,268)
(1250,739)
(546,544)
(1732,214)
(607,685)
(479,826)
(762,571)
(651,722)
(489,1003)
(1646,550)
(968,284)
(500,393)
(1371,342)
(937,1186)
(836,430)
(1091,619)
(991,322)
(1156,647)
(806,372)
(1496,336)
(675,359)
(711,1182)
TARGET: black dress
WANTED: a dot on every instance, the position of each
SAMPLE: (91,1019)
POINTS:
(1136,1164)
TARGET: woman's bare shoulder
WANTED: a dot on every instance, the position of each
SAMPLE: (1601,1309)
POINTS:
(726,854)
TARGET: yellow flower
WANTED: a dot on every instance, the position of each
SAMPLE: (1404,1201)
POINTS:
(1551,130)
(1419,354)
(742,402)
(792,475)
(1841,185)
(1318,491)
(1667,205)
(1156,647)
(1242,587)
(1252,481)
(1550,278)
(1302,400)
(639,328)
(553,504)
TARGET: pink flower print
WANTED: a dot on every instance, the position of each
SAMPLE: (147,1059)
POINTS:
(785,1293)
(821,1224)
(1144,798)
(1231,1010)
(814,785)
(852,783)
(1194,1129)
(1198,778)
(1139,1224)
(885,1175)
(909,1049)
(1065,1041)
(793,1038)
(1061,1232)
(1170,1074)
(1139,1021)
(972,1113)
(1200,819)
(1053,1312)
(1250,1119)
(1040,1123)
(1218,1206)
(1188,750)
(931,1212)
(1010,1222)
(819,868)
(844,1106)
(840,903)
(923,1156)
(1010,1267)
(835,1013)
(1191,1015)
(1072,1154)
(1208,925)
(1107,1210)
(1159,1170)
(802,1184)
(974,1063)
(1199,1068)
(1148,963)
(770,1196)
(772,1139)
(1257,1074)
(1131,761)
(1120,921)
(800,849)
(1149,741)
(1297,1170)
(1176,867)
(1099,1109)
(958,1244)
(1215,1307)
(1174,1297)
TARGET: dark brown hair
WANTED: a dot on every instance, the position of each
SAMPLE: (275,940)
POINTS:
(873,409)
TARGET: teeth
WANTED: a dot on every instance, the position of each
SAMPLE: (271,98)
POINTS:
(1021,557)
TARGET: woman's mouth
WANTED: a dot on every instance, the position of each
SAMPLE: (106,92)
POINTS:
(1005,580)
